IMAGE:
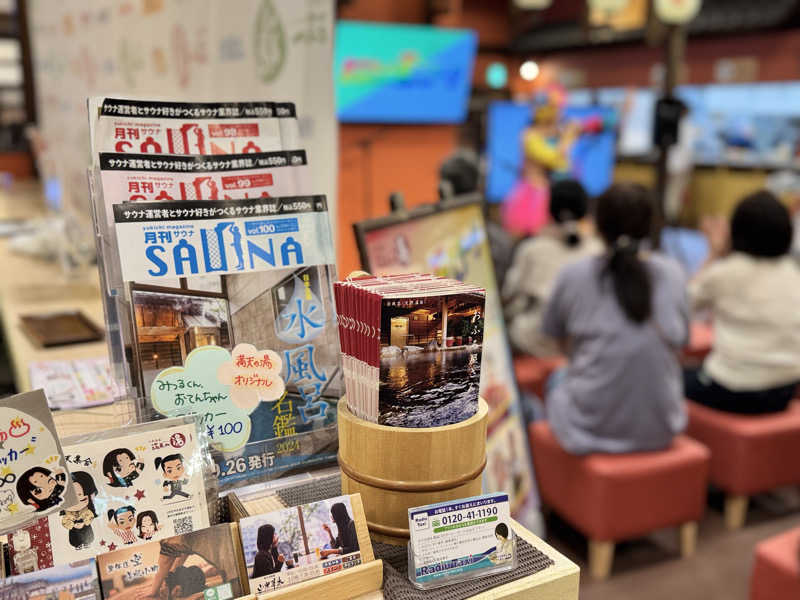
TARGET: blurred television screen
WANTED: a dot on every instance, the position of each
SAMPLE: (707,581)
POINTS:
(744,124)
(591,157)
(391,73)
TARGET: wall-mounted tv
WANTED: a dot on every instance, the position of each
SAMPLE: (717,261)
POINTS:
(387,73)
(742,124)
(591,155)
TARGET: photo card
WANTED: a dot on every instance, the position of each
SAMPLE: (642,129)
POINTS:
(70,581)
(203,564)
(291,545)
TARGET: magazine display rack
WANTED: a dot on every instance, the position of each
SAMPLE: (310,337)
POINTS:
(396,468)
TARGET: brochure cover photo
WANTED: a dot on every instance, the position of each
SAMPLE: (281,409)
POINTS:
(431,350)
(412,347)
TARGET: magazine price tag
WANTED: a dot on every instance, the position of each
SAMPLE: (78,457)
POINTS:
(459,540)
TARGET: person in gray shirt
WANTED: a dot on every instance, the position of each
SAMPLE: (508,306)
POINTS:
(621,318)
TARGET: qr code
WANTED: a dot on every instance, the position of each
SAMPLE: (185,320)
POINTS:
(184,525)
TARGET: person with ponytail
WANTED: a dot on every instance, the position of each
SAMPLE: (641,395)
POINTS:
(751,285)
(621,317)
(538,261)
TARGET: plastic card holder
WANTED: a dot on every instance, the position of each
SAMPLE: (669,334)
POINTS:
(459,540)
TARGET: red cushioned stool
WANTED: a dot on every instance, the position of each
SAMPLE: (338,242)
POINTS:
(532,372)
(701,340)
(614,497)
(750,454)
(776,572)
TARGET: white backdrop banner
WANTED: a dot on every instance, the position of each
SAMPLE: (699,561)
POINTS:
(185,50)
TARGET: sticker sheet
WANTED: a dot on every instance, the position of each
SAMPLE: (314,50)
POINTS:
(130,489)
(34,477)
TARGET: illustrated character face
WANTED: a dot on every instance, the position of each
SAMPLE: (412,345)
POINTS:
(148,527)
(43,485)
(125,466)
(83,499)
(126,520)
(499,537)
(173,469)
(22,540)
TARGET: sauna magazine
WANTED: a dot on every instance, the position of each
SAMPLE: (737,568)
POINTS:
(223,308)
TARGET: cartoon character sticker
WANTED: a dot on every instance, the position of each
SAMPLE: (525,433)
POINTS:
(173,471)
(78,519)
(41,488)
(121,467)
(25,557)
(6,498)
(147,525)
(122,521)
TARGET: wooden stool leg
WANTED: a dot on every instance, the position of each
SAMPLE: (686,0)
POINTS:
(688,535)
(735,511)
(601,556)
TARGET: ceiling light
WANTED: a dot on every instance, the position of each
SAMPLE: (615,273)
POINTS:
(529,70)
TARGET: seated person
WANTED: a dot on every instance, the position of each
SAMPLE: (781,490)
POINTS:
(346,540)
(537,263)
(751,285)
(621,318)
(268,559)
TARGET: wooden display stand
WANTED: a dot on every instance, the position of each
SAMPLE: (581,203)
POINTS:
(557,582)
(351,583)
(344,585)
(397,468)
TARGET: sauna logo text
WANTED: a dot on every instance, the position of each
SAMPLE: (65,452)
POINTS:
(188,250)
